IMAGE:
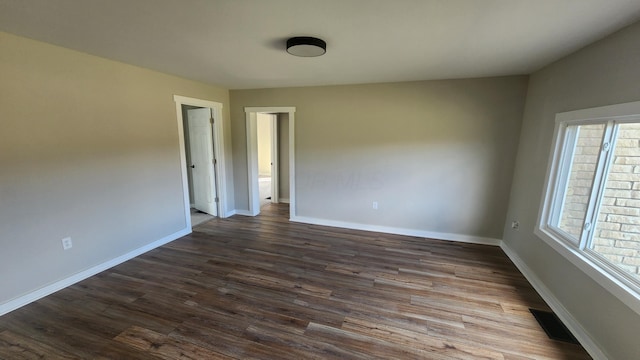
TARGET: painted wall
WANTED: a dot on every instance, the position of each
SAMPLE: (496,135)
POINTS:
(435,155)
(89,148)
(603,73)
(264,144)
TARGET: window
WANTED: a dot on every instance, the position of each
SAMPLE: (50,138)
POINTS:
(591,206)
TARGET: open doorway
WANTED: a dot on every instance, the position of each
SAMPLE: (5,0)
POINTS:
(271,173)
(268,158)
(202,159)
(200,155)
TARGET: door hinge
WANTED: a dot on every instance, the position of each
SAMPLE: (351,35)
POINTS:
(606,147)
(217,199)
(214,161)
(211,120)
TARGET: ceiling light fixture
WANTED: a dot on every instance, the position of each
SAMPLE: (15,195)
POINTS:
(306,46)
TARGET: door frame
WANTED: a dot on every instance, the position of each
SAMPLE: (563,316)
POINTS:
(218,151)
(275,154)
(252,156)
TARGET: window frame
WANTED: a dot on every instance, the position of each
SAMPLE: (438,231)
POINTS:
(613,279)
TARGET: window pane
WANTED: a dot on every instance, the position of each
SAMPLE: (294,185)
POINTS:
(617,232)
(580,180)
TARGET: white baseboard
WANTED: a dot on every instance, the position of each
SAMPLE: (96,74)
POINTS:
(572,324)
(243,212)
(230,213)
(283,200)
(399,231)
(59,285)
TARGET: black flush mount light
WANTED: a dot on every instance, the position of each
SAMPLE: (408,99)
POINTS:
(306,46)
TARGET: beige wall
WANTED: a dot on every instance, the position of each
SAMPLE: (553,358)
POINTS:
(89,148)
(604,73)
(264,144)
(436,155)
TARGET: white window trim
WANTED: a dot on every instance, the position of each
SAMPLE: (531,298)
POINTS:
(589,262)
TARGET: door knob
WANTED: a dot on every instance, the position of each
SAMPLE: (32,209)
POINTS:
(193,166)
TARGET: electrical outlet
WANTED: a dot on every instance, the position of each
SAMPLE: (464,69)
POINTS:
(375,205)
(515,225)
(66,243)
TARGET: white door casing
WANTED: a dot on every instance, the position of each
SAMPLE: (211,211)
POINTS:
(220,166)
(275,154)
(252,156)
(202,160)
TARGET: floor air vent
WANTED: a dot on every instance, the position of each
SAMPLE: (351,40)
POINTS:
(554,328)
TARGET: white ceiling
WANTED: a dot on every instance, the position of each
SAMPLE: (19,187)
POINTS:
(240,44)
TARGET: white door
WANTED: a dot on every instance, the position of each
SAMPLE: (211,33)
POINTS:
(202,160)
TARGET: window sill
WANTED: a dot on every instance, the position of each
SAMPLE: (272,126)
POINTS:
(625,293)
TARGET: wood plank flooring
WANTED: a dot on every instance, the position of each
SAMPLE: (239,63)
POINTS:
(264,288)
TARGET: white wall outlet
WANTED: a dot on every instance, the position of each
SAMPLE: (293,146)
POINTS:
(66,243)
(515,225)
(375,205)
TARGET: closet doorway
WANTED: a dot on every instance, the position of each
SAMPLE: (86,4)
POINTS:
(202,158)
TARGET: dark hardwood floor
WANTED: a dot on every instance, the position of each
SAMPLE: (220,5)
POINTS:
(264,288)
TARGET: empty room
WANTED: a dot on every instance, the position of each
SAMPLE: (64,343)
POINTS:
(319,179)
